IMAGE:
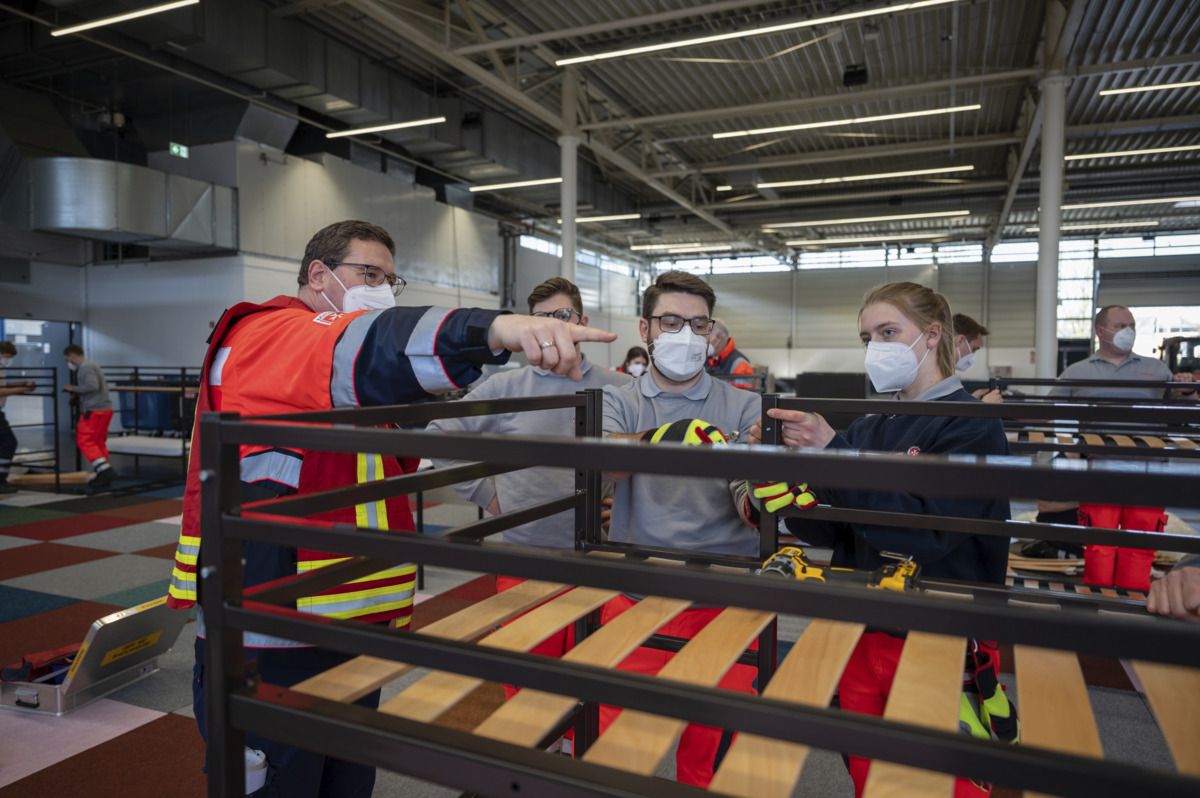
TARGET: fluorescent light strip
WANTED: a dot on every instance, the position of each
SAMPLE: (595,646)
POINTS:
(713,248)
(547,181)
(1187,84)
(864,219)
(724,188)
(820,242)
(113,20)
(650,247)
(1122,203)
(853,178)
(854,120)
(1098,225)
(612,217)
(742,34)
(1124,153)
(435,120)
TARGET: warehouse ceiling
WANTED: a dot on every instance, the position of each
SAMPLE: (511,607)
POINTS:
(927,111)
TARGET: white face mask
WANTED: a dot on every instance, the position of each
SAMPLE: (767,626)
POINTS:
(363,297)
(1123,340)
(636,369)
(892,366)
(73,366)
(5,362)
(966,361)
(679,355)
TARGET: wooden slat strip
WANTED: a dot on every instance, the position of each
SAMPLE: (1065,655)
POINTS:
(637,741)
(1184,443)
(352,680)
(1092,439)
(1059,586)
(1109,592)
(760,767)
(426,700)
(1123,440)
(1174,694)
(1152,441)
(1066,440)
(927,691)
(1085,590)
(1037,437)
(531,714)
(1055,710)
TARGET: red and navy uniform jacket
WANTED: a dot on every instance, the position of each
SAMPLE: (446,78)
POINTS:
(946,555)
(284,357)
(730,360)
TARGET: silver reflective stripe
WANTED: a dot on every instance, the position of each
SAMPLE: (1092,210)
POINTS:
(372,512)
(252,639)
(341,382)
(420,351)
(358,604)
(218,366)
(272,465)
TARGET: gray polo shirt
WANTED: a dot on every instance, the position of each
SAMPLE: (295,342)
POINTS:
(92,388)
(1133,367)
(524,488)
(671,511)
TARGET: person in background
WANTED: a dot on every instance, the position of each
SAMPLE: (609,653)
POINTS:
(968,340)
(8,440)
(1114,359)
(636,361)
(95,414)
(724,358)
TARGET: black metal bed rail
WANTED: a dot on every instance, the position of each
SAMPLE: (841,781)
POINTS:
(1165,541)
(45,386)
(424,412)
(916,746)
(1150,638)
(953,475)
(1062,411)
(1051,382)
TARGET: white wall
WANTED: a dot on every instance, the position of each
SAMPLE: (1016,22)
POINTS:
(53,293)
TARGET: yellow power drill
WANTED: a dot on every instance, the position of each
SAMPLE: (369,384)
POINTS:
(790,562)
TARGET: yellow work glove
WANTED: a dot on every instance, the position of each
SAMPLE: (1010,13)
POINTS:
(776,496)
(689,431)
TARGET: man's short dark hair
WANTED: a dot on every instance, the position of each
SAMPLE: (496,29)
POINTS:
(330,244)
(73,349)
(8,348)
(965,325)
(553,287)
(677,283)
(1102,313)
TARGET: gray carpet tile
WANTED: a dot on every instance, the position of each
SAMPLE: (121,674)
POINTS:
(91,580)
(10,542)
(134,537)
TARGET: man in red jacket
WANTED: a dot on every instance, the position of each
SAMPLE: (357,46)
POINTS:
(340,342)
(726,360)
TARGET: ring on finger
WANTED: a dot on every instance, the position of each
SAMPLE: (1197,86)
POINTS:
(547,344)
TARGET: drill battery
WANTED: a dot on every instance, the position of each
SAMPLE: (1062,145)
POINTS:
(791,562)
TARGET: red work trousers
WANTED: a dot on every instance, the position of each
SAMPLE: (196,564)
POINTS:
(91,435)
(865,686)
(1128,569)
(696,756)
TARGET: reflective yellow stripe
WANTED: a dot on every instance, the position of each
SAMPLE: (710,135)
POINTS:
(312,565)
(381,505)
(180,593)
(188,540)
(182,576)
(186,559)
(361,518)
(355,595)
(394,605)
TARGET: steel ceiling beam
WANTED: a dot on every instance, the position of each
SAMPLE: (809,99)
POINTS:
(519,100)
(810,198)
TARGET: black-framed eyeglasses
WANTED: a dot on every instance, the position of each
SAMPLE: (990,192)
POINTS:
(374,276)
(562,314)
(670,323)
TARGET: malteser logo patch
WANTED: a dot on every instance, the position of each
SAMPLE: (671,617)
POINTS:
(328,317)
(914,450)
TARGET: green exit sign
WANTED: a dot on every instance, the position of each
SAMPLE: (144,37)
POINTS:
(178,150)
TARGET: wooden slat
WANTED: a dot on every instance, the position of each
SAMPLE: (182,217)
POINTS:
(1109,592)
(1184,443)
(44,480)
(427,699)
(638,742)
(1032,584)
(1092,439)
(1037,437)
(1066,440)
(760,767)
(927,691)
(1085,590)
(531,714)
(352,680)
(1174,694)
(1053,698)
(1123,440)
(1152,441)
(1059,586)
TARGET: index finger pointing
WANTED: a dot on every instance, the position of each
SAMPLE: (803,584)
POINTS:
(787,415)
(581,333)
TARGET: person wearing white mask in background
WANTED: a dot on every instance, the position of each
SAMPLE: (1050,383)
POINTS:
(636,361)
(677,400)
(1114,359)
(908,332)
(968,340)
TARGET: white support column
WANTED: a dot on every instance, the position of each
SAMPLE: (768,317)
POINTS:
(1050,196)
(568,144)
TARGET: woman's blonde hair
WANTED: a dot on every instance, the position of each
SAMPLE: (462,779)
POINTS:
(924,307)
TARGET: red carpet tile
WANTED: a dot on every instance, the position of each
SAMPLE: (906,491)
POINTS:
(162,757)
(165,552)
(66,527)
(48,630)
(45,556)
(147,511)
